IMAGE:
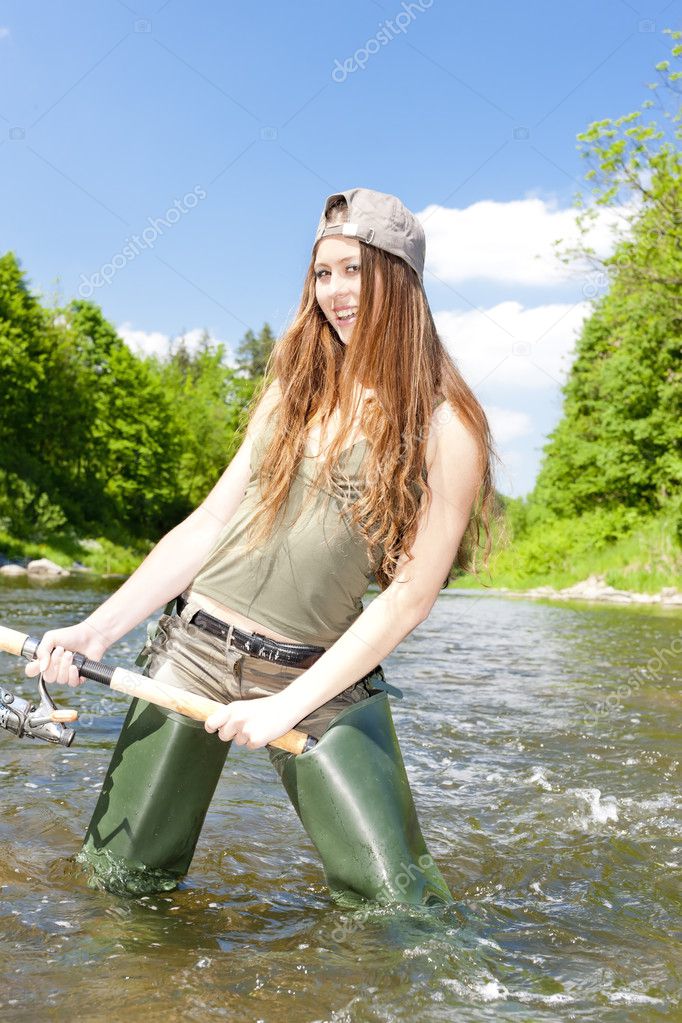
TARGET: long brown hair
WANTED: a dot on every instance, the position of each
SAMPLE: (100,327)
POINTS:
(405,367)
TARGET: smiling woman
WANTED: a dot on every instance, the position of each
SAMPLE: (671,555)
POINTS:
(337,274)
(366,456)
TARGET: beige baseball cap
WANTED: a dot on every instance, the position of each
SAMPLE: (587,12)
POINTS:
(381,220)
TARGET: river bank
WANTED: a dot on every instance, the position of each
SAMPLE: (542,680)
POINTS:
(106,560)
(71,555)
(594,588)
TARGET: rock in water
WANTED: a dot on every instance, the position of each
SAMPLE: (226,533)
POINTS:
(43,566)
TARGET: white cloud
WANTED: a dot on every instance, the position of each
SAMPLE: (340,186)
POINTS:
(4,32)
(510,242)
(143,343)
(512,348)
(507,423)
(155,343)
(516,357)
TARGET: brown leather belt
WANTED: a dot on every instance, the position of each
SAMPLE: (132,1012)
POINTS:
(292,655)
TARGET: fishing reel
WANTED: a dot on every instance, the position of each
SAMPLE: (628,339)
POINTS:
(44,721)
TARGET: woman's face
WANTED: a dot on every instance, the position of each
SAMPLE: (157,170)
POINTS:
(337,271)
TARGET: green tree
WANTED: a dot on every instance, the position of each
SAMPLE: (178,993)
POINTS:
(39,396)
(254,351)
(619,442)
(207,398)
(96,439)
(127,464)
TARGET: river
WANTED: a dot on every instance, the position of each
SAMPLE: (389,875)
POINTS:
(542,742)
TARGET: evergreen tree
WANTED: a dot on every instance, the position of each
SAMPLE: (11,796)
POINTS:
(254,351)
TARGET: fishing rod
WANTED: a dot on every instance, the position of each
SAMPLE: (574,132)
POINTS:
(46,721)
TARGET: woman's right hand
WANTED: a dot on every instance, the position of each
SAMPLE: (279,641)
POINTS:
(54,655)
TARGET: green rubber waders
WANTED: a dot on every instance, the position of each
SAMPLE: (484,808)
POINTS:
(157,790)
(353,797)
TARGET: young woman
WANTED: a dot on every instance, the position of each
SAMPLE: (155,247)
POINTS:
(366,456)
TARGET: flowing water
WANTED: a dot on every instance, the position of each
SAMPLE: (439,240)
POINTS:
(542,742)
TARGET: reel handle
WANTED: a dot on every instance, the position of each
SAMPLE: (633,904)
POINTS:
(64,715)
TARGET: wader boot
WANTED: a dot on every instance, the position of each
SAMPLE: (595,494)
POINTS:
(353,797)
(155,795)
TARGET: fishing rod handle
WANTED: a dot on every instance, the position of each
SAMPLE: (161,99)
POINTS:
(12,642)
(134,684)
(193,705)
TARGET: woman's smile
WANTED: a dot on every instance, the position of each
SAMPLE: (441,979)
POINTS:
(347,315)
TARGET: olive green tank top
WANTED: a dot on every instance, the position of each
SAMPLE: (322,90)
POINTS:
(308,580)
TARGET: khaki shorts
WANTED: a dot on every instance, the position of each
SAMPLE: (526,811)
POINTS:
(182,655)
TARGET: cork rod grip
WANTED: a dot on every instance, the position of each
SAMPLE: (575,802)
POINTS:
(12,642)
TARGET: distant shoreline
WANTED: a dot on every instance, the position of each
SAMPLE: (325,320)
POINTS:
(594,588)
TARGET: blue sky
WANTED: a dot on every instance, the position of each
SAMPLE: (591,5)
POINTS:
(233,122)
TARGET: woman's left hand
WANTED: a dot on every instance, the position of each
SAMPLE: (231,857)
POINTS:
(253,723)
